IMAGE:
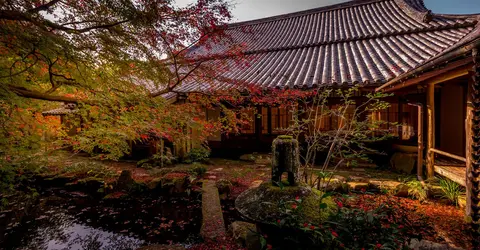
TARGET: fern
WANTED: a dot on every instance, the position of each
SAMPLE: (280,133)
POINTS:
(417,190)
(451,190)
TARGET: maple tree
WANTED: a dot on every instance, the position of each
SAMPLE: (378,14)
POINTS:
(113,59)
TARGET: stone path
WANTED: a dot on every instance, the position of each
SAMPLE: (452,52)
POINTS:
(213,225)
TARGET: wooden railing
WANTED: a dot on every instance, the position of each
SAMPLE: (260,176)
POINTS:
(456,157)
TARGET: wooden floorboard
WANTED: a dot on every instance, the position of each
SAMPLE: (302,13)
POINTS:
(454,173)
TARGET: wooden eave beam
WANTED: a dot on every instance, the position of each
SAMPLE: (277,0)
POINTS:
(464,63)
(459,72)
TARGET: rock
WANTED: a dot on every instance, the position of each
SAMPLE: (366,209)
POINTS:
(334,186)
(339,178)
(115,195)
(162,247)
(415,244)
(357,178)
(248,157)
(264,203)
(213,225)
(359,186)
(401,190)
(286,158)
(255,183)
(385,184)
(175,183)
(435,191)
(403,162)
(125,181)
(56,180)
(263,160)
(239,231)
(147,165)
(224,188)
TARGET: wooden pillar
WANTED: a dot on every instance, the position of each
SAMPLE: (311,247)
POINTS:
(430,129)
(400,117)
(420,143)
(473,155)
(269,120)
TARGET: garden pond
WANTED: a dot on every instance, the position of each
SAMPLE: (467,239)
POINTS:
(58,219)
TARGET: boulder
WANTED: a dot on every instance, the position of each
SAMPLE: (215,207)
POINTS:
(403,162)
(239,231)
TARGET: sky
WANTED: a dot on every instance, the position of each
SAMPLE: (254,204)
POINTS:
(253,9)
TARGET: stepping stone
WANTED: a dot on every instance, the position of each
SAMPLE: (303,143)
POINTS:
(255,184)
(358,186)
(213,225)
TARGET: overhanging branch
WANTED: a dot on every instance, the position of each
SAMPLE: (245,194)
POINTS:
(23,92)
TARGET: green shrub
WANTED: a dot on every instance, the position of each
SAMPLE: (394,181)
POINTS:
(417,190)
(197,155)
(7,178)
(451,190)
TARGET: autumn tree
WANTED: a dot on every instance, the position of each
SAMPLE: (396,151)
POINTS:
(115,60)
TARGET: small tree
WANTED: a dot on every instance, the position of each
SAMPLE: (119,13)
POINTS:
(346,140)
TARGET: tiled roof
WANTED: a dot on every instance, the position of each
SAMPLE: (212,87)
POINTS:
(362,41)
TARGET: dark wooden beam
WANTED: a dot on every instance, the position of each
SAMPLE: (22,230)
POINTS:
(473,174)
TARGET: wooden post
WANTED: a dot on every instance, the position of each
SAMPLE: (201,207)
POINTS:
(468,153)
(420,143)
(269,120)
(430,129)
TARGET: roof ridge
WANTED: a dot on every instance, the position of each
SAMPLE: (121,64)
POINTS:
(349,4)
(415,9)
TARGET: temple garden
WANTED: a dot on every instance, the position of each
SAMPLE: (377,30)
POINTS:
(219,203)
